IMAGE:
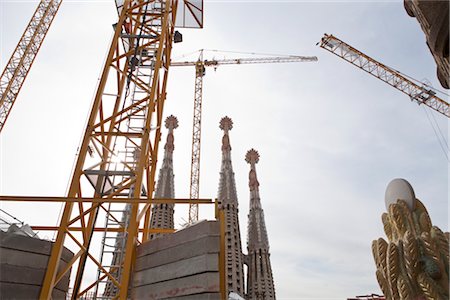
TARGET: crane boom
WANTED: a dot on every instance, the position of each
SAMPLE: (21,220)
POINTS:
(200,65)
(238,61)
(421,93)
(19,64)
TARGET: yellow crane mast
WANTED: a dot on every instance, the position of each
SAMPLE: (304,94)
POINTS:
(22,59)
(118,154)
(200,65)
(418,92)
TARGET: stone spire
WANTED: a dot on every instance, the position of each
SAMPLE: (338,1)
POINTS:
(234,270)
(259,277)
(162,214)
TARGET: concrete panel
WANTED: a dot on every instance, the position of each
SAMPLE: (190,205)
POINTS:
(182,268)
(196,284)
(23,263)
(26,259)
(28,276)
(27,244)
(194,232)
(203,245)
(12,291)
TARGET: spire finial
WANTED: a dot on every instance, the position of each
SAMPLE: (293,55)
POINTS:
(252,156)
(226,124)
(171,122)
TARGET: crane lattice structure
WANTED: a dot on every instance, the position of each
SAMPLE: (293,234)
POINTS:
(117,158)
(418,92)
(22,59)
(200,65)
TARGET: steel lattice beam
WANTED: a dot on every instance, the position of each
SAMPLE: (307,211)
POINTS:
(196,139)
(22,59)
(420,93)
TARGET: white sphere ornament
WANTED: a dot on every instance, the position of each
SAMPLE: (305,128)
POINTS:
(399,189)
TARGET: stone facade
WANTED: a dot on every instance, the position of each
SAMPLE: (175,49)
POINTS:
(433,18)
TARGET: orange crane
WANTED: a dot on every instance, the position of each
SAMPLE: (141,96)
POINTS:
(417,91)
(22,59)
(200,65)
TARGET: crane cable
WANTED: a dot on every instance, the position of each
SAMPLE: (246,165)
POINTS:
(440,137)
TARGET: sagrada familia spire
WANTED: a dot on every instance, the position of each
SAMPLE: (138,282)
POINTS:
(259,277)
(234,269)
(162,214)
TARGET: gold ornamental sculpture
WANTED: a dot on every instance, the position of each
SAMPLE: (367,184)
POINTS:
(414,263)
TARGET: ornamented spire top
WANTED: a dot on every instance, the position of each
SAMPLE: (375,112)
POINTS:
(226,124)
(171,122)
(252,157)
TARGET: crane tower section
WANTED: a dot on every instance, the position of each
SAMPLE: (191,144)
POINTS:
(418,92)
(21,60)
(117,158)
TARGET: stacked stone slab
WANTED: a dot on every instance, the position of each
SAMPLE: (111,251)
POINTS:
(23,263)
(179,266)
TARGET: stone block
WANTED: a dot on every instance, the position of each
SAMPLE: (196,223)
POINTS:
(203,245)
(28,276)
(194,232)
(178,269)
(14,291)
(23,263)
(190,285)
(32,245)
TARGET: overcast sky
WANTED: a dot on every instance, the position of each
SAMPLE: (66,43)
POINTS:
(330,136)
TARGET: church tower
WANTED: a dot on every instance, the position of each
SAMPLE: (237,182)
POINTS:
(259,277)
(162,214)
(234,269)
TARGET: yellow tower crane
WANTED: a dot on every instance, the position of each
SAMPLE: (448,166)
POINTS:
(200,65)
(417,91)
(117,157)
(22,59)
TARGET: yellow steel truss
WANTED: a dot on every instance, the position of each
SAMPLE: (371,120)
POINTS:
(118,154)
